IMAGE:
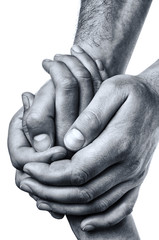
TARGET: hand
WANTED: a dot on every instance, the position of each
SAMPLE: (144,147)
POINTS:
(122,207)
(126,122)
(39,117)
(19,147)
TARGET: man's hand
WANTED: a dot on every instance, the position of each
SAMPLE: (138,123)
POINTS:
(120,117)
(32,108)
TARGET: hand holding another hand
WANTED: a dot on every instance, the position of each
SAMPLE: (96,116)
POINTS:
(117,139)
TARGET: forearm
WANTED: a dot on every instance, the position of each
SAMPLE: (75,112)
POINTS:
(109,29)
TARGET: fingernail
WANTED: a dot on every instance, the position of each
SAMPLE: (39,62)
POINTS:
(100,65)
(56,215)
(77,49)
(45,65)
(41,142)
(25,101)
(44,206)
(88,228)
(57,56)
(46,60)
(25,188)
(74,140)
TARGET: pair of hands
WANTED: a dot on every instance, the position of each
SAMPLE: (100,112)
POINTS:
(114,138)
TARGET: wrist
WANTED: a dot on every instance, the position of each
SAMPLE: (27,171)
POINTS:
(111,64)
(151,76)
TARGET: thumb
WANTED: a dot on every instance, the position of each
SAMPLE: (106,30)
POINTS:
(92,121)
(38,123)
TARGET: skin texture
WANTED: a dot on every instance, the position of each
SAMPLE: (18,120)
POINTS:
(112,36)
(96,51)
(20,176)
(46,178)
(133,152)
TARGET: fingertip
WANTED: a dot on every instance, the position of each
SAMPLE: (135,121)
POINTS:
(99,64)
(27,99)
(74,140)
(77,49)
(56,215)
(25,102)
(42,142)
(45,65)
(87,227)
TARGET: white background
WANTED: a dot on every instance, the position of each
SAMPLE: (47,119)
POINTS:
(31,31)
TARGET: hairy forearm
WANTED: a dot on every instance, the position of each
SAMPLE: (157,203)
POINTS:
(109,29)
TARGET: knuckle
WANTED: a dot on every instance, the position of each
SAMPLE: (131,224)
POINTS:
(66,80)
(85,195)
(83,73)
(33,120)
(139,89)
(142,175)
(102,205)
(116,83)
(54,67)
(78,177)
(68,83)
(125,144)
(135,166)
(110,223)
(110,85)
(128,208)
(133,169)
(92,118)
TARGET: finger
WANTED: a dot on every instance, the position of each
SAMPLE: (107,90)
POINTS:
(33,196)
(89,63)
(66,97)
(20,150)
(54,215)
(38,120)
(27,99)
(20,176)
(83,77)
(83,194)
(84,165)
(113,215)
(99,205)
(95,117)
(101,69)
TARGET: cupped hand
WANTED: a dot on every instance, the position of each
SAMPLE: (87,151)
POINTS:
(81,194)
(40,116)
